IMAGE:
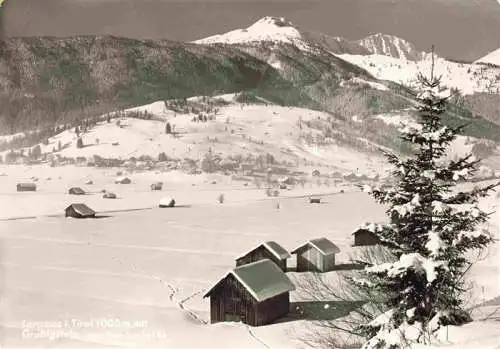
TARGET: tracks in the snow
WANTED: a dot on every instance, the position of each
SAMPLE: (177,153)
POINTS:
(172,289)
(250,332)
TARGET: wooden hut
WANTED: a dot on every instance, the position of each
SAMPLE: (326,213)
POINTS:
(316,255)
(255,294)
(109,195)
(366,235)
(157,186)
(166,202)
(123,180)
(79,211)
(26,187)
(314,200)
(268,250)
(76,191)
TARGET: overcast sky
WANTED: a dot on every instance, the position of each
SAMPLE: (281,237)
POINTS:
(461,29)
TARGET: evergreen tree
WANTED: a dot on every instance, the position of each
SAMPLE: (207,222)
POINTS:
(79,143)
(433,224)
(168,128)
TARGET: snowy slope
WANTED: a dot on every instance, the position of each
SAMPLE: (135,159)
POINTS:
(468,78)
(491,58)
(238,129)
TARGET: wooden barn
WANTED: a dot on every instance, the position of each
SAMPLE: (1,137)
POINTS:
(256,294)
(123,180)
(314,200)
(109,195)
(166,202)
(79,211)
(26,187)
(268,250)
(316,255)
(366,235)
(76,191)
(156,186)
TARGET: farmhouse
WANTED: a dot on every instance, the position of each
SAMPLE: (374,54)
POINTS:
(316,255)
(76,191)
(267,250)
(366,235)
(26,187)
(255,294)
(79,211)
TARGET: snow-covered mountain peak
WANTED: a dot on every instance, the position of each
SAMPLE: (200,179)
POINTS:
(392,46)
(276,29)
(491,58)
(273,21)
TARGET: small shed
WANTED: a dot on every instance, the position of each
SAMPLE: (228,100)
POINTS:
(316,255)
(109,195)
(157,186)
(123,180)
(314,200)
(167,202)
(268,250)
(76,191)
(26,187)
(256,294)
(366,235)
(79,211)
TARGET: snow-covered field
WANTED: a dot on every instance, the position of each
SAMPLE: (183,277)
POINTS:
(147,270)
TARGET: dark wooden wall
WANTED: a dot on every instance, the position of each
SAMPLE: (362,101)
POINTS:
(258,254)
(25,188)
(231,298)
(273,309)
(70,212)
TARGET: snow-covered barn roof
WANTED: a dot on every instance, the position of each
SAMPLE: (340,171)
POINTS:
(82,209)
(262,279)
(276,249)
(26,185)
(323,245)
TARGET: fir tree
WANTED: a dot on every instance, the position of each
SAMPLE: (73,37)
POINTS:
(433,224)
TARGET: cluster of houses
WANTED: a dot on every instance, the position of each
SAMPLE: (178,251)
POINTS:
(257,290)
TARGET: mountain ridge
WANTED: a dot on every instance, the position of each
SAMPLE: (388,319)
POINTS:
(280,29)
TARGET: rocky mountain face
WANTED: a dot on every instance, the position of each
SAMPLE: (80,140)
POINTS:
(392,46)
